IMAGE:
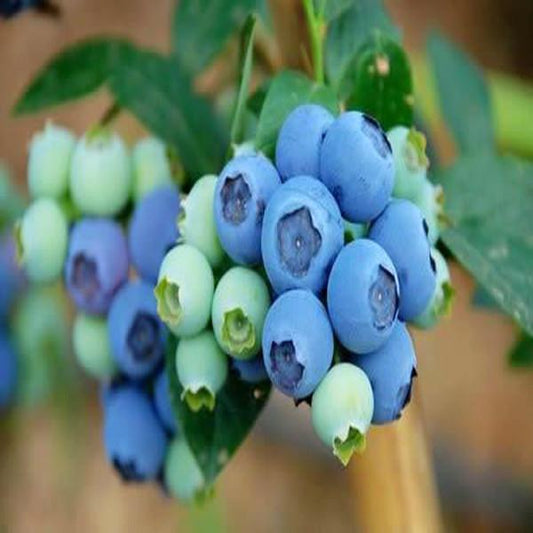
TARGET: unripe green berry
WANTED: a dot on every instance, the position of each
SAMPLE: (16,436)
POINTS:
(430,200)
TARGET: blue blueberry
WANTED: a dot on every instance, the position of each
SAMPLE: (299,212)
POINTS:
(363,296)
(136,334)
(300,140)
(97,264)
(8,370)
(153,230)
(134,440)
(243,190)
(297,343)
(402,232)
(162,401)
(390,369)
(250,370)
(302,234)
(356,165)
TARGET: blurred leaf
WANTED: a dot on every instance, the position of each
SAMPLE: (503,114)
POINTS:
(488,200)
(247,41)
(482,299)
(11,201)
(73,73)
(347,32)
(161,96)
(521,354)
(215,436)
(201,29)
(332,8)
(288,90)
(463,94)
(379,82)
(257,98)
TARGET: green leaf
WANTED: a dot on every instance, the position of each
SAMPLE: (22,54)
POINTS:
(331,9)
(215,436)
(73,73)
(286,91)
(161,96)
(488,200)
(247,39)
(482,299)
(521,355)
(379,82)
(347,33)
(463,95)
(201,29)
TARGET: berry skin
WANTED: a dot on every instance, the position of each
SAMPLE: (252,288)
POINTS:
(49,162)
(300,140)
(151,167)
(250,370)
(97,264)
(363,296)
(135,441)
(202,369)
(240,305)
(356,165)
(11,277)
(136,334)
(302,234)
(341,410)
(100,174)
(243,190)
(8,370)
(41,238)
(410,161)
(197,221)
(430,201)
(297,343)
(162,402)
(183,477)
(153,230)
(91,346)
(402,232)
(184,291)
(390,370)
(443,295)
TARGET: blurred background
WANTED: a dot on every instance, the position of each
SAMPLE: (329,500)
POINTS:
(477,411)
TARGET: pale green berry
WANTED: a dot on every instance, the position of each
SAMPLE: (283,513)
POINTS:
(430,200)
(202,369)
(49,159)
(196,220)
(184,290)
(442,299)
(342,408)
(42,237)
(91,346)
(100,174)
(410,161)
(354,231)
(150,165)
(240,305)
(183,477)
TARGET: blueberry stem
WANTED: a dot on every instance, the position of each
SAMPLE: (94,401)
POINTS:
(317,33)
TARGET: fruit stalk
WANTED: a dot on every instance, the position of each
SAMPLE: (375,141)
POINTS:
(315,23)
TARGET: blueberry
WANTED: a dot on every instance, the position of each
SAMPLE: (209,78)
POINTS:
(153,230)
(356,165)
(410,161)
(300,140)
(202,369)
(197,220)
(91,346)
(162,402)
(243,190)
(302,234)
(183,477)
(97,264)
(41,237)
(8,370)
(297,343)
(250,370)
(240,305)
(49,158)
(341,410)
(135,441)
(390,369)
(100,174)
(430,201)
(363,296)
(402,232)
(184,291)
(443,295)
(11,277)
(136,334)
